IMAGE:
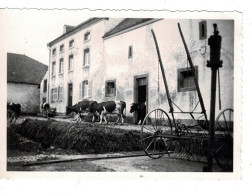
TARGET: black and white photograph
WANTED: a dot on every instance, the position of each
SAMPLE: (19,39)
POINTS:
(108,94)
(90,94)
(116,97)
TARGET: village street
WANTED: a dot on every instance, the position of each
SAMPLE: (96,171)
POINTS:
(133,164)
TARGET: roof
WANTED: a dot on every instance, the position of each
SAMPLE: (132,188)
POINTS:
(75,29)
(23,69)
(127,24)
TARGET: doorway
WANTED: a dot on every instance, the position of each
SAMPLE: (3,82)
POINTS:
(140,93)
(70,94)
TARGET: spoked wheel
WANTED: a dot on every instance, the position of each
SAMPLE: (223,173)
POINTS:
(223,153)
(155,126)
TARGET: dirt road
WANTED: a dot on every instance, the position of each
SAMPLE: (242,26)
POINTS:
(134,164)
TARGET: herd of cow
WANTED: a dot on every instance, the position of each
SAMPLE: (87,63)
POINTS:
(96,109)
(102,109)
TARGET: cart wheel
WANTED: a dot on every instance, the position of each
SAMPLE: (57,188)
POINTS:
(223,153)
(155,125)
(224,122)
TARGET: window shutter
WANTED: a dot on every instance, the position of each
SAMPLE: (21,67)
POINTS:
(89,88)
(52,91)
(80,87)
(59,95)
(60,92)
(56,93)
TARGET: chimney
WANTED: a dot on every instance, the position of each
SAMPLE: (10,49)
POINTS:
(67,28)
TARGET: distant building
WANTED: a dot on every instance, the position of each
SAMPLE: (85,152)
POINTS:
(116,59)
(24,76)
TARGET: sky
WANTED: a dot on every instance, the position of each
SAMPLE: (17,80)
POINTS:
(28,31)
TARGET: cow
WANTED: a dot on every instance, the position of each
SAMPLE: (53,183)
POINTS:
(45,109)
(82,106)
(109,107)
(13,111)
(140,108)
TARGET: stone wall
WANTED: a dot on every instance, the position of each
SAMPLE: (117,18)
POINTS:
(25,94)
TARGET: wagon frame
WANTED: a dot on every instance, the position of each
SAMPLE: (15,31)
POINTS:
(162,134)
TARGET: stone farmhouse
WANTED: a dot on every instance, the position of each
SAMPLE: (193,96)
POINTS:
(24,75)
(106,59)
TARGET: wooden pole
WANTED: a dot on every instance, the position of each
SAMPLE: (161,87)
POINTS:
(193,73)
(164,79)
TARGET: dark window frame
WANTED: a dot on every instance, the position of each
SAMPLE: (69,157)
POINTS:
(53,68)
(87,36)
(45,85)
(202,30)
(130,52)
(62,48)
(54,50)
(84,57)
(61,65)
(69,58)
(184,73)
(107,93)
(71,43)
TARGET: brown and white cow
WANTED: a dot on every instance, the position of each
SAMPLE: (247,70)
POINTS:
(80,107)
(110,107)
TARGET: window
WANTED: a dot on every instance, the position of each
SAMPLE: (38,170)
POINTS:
(54,51)
(130,53)
(86,57)
(60,93)
(45,85)
(62,48)
(202,30)
(53,68)
(85,89)
(70,63)
(87,36)
(54,94)
(57,94)
(186,79)
(110,88)
(71,43)
(61,66)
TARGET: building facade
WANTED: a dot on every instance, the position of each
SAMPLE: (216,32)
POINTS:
(76,62)
(116,59)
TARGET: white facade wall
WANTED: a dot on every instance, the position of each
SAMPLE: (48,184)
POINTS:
(91,73)
(145,61)
(109,61)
